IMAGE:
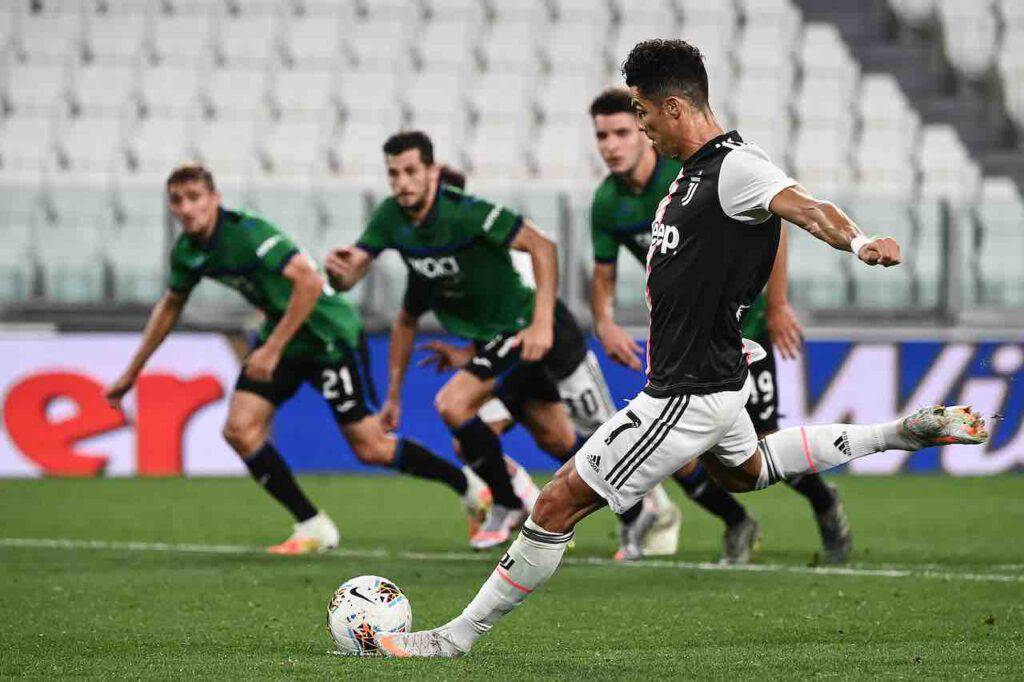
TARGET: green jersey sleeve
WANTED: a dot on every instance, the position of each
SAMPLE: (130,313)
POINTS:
(271,247)
(496,223)
(183,277)
(374,238)
(606,247)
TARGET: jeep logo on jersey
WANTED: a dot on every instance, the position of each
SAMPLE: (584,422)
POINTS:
(667,235)
(433,268)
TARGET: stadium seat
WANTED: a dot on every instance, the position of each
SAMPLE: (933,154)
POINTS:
(290,207)
(770,135)
(92,145)
(313,40)
(1011,13)
(758,98)
(565,97)
(367,40)
(137,252)
(17,262)
(820,161)
(772,17)
(821,279)
(445,45)
(766,63)
(306,93)
(159,143)
(247,39)
(114,37)
(497,152)
(169,90)
(30,88)
(103,89)
(716,20)
(1011,70)
(458,10)
(232,93)
(930,247)
(357,153)
(228,146)
(946,168)
(1000,214)
(882,104)
(344,212)
(359,107)
(825,102)
(884,287)
(502,97)
(559,152)
(917,13)
(182,38)
(512,47)
(47,38)
(586,12)
(970,35)
(27,142)
(435,96)
(294,148)
(70,248)
(575,44)
(824,56)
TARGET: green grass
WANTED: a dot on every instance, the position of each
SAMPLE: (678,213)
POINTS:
(117,612)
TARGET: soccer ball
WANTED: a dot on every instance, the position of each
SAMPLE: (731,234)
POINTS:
(362,607)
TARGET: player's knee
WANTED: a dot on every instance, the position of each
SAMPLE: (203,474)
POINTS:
(244,435)
(375,452)
(452,409)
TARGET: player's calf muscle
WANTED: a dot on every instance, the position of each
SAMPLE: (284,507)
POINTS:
(741,479)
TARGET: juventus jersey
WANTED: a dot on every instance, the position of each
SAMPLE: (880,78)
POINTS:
(712,250)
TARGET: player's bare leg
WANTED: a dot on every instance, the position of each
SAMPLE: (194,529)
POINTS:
(795,451)
(529,562)
(374,445)
(247,430)
(458,403)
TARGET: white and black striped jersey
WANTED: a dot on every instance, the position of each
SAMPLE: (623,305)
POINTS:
(712,250)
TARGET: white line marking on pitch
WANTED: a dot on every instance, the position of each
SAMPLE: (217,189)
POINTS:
(929,572)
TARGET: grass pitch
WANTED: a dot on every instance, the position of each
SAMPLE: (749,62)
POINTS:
(164,579)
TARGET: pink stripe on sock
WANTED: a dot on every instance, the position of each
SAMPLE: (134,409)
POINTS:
(807,450)
(504,574)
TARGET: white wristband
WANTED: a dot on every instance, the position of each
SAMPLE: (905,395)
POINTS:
(858,242)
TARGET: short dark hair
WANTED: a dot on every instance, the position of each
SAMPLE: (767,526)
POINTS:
(613,100)
(662,68)
(452,177)
(192,172)
(411,139)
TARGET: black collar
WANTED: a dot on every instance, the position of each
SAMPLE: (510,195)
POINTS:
(711,145)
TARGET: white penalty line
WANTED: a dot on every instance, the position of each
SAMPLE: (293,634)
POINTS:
(186,548)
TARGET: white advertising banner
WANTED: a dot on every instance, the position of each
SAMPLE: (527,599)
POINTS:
(56,421)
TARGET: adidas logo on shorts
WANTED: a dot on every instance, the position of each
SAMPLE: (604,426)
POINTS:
(594,460)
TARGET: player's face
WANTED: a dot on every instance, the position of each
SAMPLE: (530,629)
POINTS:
(194,205)
(410,179)
(656,122)
(620,141)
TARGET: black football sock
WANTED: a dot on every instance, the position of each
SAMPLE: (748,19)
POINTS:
(813,487)
(272,472)
(706,492)
(631,514)
(414,459)
(481,450)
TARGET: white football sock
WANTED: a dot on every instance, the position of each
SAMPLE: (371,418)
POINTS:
(803,449)
(527,565)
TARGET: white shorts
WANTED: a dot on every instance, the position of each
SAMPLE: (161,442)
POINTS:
(584,393)
(651,438)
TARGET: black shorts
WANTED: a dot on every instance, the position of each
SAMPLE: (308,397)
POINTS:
(763,405)
(519,382)
(346,384)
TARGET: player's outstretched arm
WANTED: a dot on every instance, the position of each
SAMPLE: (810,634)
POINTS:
(403,334)
(827,222)
(346,266)
(307,284)
(161,321)
(536,339)
(617,343)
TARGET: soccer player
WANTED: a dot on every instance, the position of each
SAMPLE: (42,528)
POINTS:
(714,239)
(312,334)
(623,206)
(456,248)
(588,400)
